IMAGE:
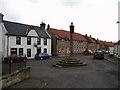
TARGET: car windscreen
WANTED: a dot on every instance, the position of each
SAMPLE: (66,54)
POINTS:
(99,52)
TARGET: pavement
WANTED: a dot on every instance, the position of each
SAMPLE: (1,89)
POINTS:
(112,59)
(30,83)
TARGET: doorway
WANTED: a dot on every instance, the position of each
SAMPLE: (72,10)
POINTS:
(38,50)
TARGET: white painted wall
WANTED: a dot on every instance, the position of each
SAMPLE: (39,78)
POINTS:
(49,46)
(111,50)
(12,44)
(2,42)
(117,51)
(32,33)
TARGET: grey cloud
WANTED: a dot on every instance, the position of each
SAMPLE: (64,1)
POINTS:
(71,3)
(34,1)
(9,12)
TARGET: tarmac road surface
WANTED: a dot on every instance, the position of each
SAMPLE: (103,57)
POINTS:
(97,73)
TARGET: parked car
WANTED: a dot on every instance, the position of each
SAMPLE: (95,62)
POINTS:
(105,52)
(42,56)
(98,55)
(15,58)
(88,52)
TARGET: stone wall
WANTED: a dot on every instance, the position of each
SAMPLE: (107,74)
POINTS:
(63,47)
(15,77)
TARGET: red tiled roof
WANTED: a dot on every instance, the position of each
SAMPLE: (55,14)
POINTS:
(109,44)
(66,34)
(100,42)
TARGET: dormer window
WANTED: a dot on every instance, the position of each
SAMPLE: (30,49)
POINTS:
(18,40)
(28,40)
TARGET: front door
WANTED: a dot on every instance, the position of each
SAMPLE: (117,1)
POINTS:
(38,50)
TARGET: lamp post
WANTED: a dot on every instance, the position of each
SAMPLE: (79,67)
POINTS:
(71,36)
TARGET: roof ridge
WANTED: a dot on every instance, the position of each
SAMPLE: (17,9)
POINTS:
(20,23)
(65,31)
(66,34)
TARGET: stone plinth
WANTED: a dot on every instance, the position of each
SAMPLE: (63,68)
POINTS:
(70,61)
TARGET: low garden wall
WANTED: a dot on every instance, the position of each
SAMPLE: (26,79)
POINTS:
(15,77)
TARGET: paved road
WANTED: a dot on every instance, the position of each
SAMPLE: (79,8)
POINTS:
(97,74)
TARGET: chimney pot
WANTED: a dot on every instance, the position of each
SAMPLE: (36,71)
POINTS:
(48,26)
(42,25)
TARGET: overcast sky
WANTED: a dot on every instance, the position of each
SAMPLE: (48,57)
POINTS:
(93,17)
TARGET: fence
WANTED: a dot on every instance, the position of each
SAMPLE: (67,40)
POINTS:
(11,67)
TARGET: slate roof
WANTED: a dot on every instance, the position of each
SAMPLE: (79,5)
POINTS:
(66,35)
(14,28)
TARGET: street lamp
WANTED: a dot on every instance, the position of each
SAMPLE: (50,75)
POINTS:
(71,36)
(118,22)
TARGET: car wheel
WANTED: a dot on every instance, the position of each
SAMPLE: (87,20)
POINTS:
(11,61)
(50,57)
(41,58)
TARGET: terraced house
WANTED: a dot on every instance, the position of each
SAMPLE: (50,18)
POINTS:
(101,44)
(108,45)
(61,42)
(92,45)
(23,39)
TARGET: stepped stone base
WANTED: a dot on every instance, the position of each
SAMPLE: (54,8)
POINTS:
(70,61)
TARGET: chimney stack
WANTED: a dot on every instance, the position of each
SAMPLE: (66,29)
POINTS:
(86,35)
(90,35)
(42,25)
(48,26)
(1,17)
(31,27)
(97,39)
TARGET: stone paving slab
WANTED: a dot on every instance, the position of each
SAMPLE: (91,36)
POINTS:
(30,83)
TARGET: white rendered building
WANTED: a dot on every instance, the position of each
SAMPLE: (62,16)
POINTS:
(117,49)
(22,39)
